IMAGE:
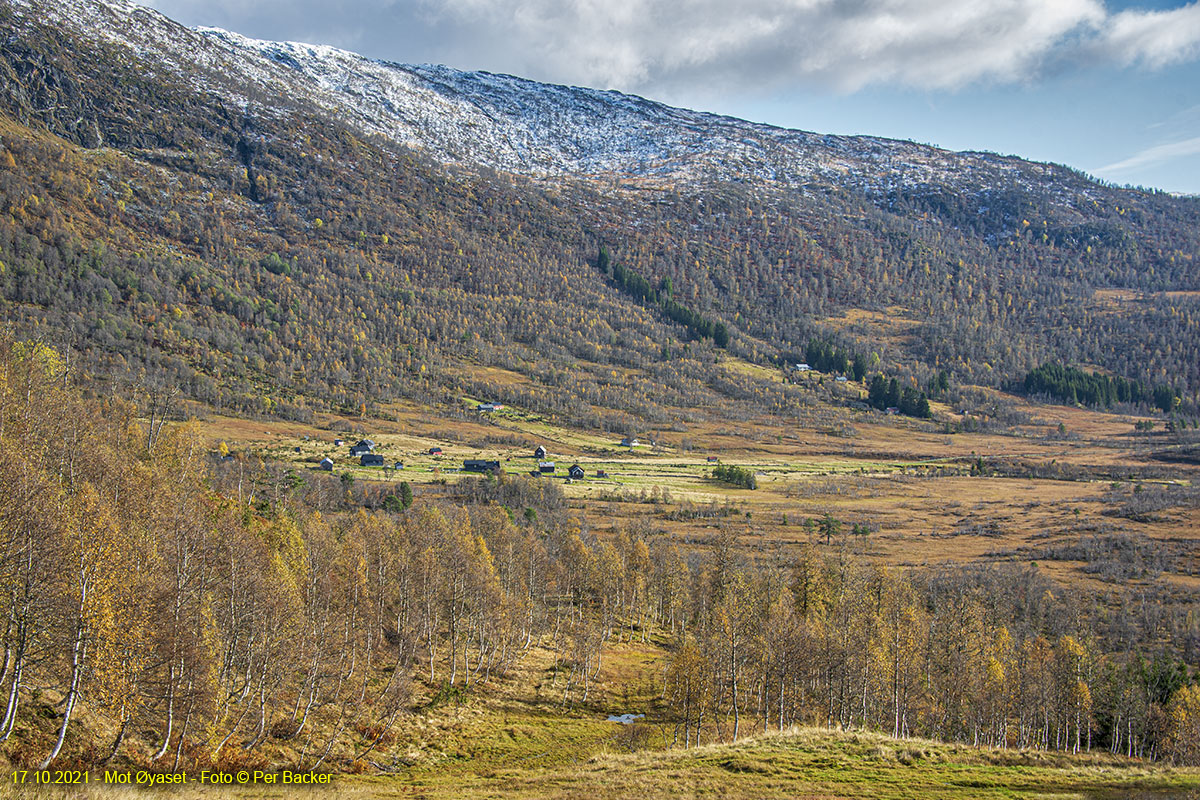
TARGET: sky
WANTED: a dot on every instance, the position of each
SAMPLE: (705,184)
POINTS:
(1110,87)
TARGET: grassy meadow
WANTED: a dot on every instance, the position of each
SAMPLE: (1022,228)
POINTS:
(797,763)
(928,491)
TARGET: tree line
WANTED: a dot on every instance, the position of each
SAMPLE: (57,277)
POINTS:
(663,297)
(883,394)
(738,476)
(985,657)
(824,356)
(1072,385)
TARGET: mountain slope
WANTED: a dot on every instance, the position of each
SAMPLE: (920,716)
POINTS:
(275,225)
(512,124)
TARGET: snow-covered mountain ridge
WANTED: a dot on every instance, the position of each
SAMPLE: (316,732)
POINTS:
(517,125)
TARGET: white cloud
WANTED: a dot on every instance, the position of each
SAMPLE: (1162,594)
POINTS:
(848,45)
(664,46)
(1154,38)
(1152,156)
(843,44)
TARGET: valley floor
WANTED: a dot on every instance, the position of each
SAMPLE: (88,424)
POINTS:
(1030,492)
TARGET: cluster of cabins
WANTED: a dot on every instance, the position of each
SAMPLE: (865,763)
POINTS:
(574,472)
(808,368)
(364,449)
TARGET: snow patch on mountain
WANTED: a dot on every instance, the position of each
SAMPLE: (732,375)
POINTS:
(512,124)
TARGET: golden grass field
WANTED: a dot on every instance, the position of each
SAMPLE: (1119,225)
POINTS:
(908,480)
(797,763)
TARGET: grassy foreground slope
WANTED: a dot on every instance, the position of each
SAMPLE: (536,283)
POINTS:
(815,762)
(802,762)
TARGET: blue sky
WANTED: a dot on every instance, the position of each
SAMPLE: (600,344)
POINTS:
(1112,88)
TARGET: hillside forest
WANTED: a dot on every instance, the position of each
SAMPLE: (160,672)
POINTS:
(270,261)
